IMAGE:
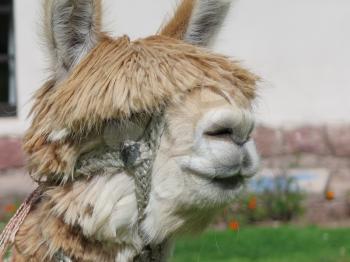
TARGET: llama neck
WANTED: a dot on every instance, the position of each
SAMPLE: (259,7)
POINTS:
(98,218)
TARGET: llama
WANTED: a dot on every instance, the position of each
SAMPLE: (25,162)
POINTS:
(133,143)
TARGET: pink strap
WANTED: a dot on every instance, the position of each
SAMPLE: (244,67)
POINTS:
(8,235)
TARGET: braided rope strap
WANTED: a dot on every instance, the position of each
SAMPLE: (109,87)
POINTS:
(8,235)
(136,157)
(142,155)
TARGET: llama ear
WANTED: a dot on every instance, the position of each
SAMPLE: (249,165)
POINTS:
(197,21)
(72,29)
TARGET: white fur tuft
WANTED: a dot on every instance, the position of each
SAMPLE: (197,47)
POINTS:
(58,135)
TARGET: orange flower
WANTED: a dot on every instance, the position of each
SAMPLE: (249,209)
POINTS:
(252,203)
(234,225)
(330,195)
(10,208)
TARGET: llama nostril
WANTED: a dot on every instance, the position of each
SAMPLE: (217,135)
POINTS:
(228,126)
(220,133)
(227,134)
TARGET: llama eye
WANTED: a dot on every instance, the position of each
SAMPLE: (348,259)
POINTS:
(222,132)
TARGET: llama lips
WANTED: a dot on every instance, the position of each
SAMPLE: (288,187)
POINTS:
(230,182)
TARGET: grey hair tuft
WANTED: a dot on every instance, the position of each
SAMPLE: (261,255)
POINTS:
(72,29)
(206,20)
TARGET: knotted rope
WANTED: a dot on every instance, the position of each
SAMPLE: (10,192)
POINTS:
(136,157)
(8,235)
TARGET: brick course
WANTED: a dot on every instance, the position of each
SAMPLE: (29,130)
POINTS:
(318,140)
(11,154)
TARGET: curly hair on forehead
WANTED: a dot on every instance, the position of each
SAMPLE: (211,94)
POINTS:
(119,78)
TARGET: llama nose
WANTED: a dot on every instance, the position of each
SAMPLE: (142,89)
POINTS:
(234,126)
(238,134)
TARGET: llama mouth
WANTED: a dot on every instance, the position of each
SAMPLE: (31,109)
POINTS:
(230,182)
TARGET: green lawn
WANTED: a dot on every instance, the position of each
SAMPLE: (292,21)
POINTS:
(284,244)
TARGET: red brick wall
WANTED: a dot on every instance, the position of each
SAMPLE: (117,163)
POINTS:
(11,154)
(317,140)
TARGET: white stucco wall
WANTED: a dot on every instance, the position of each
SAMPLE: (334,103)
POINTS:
(299,47)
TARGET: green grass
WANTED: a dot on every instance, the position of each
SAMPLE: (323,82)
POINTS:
(284,244)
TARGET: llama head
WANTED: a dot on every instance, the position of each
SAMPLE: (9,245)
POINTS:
(205,156)
(100,85)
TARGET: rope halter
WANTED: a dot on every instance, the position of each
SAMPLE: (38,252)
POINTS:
(135,157)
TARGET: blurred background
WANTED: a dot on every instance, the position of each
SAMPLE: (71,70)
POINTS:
(298,206)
